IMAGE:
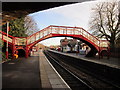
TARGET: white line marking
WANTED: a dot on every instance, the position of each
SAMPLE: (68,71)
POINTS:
(58,73)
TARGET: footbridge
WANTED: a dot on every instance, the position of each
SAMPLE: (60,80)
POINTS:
(26,43)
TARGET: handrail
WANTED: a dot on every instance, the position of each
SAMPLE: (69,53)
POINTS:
(66,29)
(6,34)
(53,29)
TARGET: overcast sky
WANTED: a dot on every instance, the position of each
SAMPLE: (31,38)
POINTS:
(68,15)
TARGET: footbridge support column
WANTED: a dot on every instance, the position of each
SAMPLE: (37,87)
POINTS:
(13,51)
(92,53)
(26,52)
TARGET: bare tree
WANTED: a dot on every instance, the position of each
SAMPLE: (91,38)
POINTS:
(105,21)
(30,25)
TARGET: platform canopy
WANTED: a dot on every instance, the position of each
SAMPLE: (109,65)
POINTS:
(13,10)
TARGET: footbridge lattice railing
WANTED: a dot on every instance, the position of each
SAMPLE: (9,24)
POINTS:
(52,29)
(66,30)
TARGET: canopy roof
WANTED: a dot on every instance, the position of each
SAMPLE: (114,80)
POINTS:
(13,10)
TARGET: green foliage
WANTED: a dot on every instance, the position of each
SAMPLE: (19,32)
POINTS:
(3,55)
(4,28)
(17,28)
(1,43)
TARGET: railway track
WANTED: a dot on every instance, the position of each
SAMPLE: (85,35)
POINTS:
(91,82)
(71,79)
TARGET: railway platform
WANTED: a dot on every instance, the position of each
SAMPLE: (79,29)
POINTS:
(21,73)
(49,76)
(35,72)
(111,62)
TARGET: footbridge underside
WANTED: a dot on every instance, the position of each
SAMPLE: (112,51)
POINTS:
(26,43)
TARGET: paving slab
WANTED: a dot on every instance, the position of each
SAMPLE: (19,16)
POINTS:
(21,73)
(49,77)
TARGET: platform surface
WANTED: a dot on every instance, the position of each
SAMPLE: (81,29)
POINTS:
(34,72)
(49,77)
(21,73)
(111,62)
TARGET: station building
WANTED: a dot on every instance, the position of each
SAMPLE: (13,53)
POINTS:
(73,45)
(68,45)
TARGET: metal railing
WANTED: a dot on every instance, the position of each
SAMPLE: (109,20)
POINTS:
(56,30)
(20,41)
(4,37)
(66,30)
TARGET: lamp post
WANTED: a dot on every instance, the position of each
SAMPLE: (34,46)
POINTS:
(7,40)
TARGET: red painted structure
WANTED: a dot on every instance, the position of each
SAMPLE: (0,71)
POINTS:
(26,43)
